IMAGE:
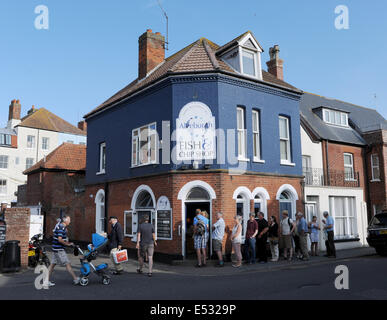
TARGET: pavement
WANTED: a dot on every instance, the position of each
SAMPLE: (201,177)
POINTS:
(314,279)
(187,267)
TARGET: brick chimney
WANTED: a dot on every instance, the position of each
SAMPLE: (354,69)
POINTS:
(82,125)
(151,52)
(14,110)
(275,66)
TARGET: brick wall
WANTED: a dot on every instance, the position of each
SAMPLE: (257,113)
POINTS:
(55,192)
(377,142)
(121,193)
(18,228)
(336,159)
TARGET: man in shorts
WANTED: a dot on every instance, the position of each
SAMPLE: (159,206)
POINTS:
(59,256)
(200,239)
(217,237)
(146,242)
(287,229)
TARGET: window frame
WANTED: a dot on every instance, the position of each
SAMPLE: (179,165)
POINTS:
(329,116)
(351,166)
(3,187)
(257,151)
(373,166)
(242,131)
(350,217)
(33,142)
(32,163)
(47,143)
(136,139)
(102,158)
(255,60)
(4,162)
(287,161)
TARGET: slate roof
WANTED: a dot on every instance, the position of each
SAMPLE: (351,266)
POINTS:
(360,118)
(198,57)
(46,120)
(68,156)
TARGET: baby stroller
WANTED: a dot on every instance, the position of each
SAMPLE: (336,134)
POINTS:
(91,254)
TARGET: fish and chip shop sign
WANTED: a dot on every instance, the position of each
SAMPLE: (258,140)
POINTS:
(195,133)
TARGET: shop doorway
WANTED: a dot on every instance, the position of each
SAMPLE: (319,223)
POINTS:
(190,209)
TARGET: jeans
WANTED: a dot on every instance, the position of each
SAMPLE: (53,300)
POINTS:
(250,247)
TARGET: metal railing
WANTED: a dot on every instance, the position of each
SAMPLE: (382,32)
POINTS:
(334,178)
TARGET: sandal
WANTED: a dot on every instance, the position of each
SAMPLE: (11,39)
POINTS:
(139,271)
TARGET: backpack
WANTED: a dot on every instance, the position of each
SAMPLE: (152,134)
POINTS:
(290,224)
(200,227)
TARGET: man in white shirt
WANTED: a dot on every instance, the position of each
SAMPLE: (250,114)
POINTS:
(287,229)
(217,237)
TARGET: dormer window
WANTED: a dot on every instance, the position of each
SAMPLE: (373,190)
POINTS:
(248,62)
(243,54)
(335,117)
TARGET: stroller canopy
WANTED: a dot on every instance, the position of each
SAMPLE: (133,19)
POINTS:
(98,240)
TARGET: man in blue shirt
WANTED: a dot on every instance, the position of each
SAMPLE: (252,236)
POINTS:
(200,237)
(329,229)
(59,255)
(303,230)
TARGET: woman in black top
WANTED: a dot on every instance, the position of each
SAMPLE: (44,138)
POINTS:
(273,238)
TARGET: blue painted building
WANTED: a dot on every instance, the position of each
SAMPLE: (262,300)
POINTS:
(204,128)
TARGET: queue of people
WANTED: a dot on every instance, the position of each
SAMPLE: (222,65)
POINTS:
(289,236)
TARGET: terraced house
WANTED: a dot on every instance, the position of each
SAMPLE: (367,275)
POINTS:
(204,128)
(344,164)
(26,140)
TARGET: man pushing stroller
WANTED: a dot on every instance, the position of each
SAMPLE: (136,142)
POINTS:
(59,255)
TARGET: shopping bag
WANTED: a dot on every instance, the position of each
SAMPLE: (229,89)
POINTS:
(120,256)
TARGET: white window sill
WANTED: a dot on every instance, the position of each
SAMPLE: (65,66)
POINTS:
(259,161)
(290,164)
(350,180)
(375,180)
(242,159)
(144,165)
(100,173)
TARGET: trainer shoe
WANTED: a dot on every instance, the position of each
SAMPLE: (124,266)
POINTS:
(76,281)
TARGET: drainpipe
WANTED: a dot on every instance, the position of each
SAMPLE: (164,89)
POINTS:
(327,157)
(106,206)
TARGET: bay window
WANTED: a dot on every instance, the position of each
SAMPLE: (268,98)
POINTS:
(343,210)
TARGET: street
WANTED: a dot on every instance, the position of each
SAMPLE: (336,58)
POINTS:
(289,281)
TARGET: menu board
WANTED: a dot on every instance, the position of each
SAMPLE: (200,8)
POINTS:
(164,224)
(3,230)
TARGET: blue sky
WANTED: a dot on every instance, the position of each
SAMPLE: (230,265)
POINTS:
(90,50)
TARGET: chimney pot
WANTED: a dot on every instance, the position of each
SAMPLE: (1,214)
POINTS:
(151,52)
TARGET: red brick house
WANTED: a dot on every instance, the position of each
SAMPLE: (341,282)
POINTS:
(57,183)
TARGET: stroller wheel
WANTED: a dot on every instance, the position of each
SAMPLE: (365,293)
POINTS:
(84,281)
(105,280)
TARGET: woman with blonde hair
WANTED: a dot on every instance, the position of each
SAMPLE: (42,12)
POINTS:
(236,239)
